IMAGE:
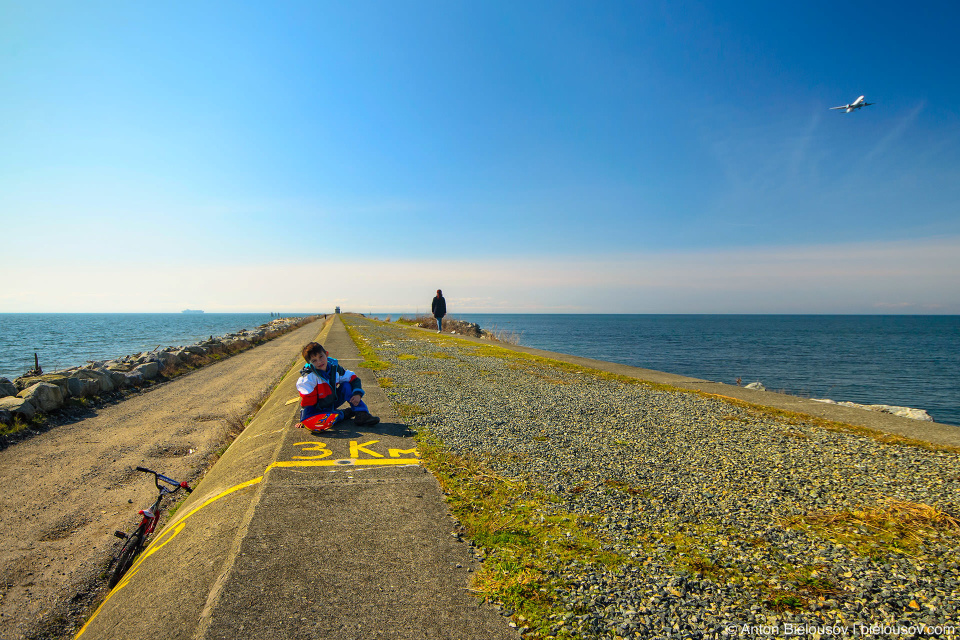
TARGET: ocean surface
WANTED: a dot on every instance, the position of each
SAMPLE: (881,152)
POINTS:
(911,361)
(63,340)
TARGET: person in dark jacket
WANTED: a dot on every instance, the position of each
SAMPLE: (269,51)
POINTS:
(323,386)
(439,308)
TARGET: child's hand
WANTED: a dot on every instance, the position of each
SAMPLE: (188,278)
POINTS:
(354,400)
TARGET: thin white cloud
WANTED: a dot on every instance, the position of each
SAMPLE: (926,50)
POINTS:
(895,133)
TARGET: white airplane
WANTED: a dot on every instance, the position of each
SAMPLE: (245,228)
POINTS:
(853,106)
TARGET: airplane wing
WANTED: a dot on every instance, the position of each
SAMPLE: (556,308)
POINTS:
(846,106)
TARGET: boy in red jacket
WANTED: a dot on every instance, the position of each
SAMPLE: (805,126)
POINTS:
(323,386)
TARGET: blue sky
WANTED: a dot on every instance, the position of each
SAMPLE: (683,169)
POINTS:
(525,157)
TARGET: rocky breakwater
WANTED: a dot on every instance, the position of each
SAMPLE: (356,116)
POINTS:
(903,412)
(27,396)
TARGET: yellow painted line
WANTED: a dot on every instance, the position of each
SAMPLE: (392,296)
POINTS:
(177,525)
(153,547)
(343,462)
(292,400)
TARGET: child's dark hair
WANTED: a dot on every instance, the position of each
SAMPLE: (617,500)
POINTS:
(312,349)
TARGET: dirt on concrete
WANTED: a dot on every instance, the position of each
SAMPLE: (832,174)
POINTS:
(67,490)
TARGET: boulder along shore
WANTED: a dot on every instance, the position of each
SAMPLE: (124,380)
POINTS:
(711,517)
(27,398)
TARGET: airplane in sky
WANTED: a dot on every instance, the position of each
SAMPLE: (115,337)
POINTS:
(853,106)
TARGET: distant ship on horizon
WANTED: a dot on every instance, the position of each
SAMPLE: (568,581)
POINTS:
(192,311)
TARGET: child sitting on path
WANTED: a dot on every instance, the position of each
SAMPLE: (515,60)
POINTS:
(323,386)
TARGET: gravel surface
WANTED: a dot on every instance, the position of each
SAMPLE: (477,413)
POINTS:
(700,497)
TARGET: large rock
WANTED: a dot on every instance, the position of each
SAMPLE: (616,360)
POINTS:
(5,417)
(212,346)
(236,344)
(44,396)
(118,378)
(187,357)
(7,388)
(196,349)
(83,387)
(903,412)
(148,370)
(106,384)
(169,359)
(18,407)
(59,379)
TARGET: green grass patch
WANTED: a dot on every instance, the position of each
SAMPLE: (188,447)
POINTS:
(525,537)
(386,382)
(876,531)
(407,356)
(812,583)
(16,426)
(19,424)
(410,410)
(784,601)
(370,360)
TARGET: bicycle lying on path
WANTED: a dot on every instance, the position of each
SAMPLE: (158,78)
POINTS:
(136,541)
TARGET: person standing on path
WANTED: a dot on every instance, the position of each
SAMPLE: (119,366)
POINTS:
(439,308)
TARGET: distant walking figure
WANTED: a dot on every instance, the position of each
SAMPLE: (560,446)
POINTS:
(439,308)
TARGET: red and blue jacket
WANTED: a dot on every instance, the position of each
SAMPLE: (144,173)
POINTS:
(319,389)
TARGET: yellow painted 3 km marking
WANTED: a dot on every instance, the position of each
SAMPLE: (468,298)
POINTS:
(356,448)
(313,446)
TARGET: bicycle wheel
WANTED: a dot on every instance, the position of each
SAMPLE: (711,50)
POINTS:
(129,552)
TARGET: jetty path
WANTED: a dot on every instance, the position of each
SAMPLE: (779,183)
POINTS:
(344,534)
(299,535)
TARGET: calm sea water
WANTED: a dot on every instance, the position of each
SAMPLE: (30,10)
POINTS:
(69,339)
(911,361)
(902,360)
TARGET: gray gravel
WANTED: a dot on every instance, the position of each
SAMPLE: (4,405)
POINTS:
(644,465)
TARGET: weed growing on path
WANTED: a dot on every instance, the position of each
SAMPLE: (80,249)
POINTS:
(522,536)
(892,526)
(370,360)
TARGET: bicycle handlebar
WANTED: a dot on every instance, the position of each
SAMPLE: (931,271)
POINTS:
(170,481)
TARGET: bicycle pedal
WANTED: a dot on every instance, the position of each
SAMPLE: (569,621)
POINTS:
(120,534)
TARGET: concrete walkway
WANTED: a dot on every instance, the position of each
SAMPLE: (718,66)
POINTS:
(295,535)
